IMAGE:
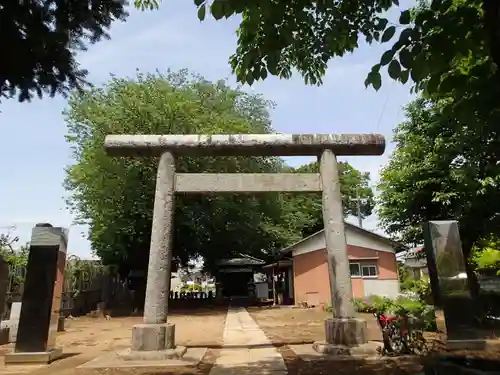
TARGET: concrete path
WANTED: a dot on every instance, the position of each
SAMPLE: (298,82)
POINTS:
(246,348)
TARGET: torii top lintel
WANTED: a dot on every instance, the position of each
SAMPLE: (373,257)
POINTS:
(244,144)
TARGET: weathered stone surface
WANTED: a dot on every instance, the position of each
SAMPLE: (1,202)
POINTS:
(156,355)
(41,301)
(489,283)
(245,144)
(345,331)
(13,322)
(369,349)
(43,357)
(336,246)
(246,182)
(160,257)
(448,276)
(4,283)
(155,334)
(153,337)
(122,363)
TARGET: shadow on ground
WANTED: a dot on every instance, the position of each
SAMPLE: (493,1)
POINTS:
(318,366)
(185,310)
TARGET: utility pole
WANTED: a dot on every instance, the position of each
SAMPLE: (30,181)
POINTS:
(358,208)
(274,277)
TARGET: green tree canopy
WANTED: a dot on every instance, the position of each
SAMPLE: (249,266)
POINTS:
(277,36)
(441,169)
(41,38)
(115,195)
(486,255)
(274,37)
(354,185)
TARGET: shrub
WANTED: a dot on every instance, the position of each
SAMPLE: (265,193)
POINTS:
(362,306)
(421,313)
(421,288)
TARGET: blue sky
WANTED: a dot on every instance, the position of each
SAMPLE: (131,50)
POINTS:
(34,153)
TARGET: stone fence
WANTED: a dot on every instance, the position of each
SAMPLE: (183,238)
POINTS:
(490,284)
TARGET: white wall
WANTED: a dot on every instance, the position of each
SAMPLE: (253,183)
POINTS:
(262,290)
(175,284)
(353,238)
(386,288)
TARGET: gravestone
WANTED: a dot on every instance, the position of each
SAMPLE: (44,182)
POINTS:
(455,310)
(4,286)
(13,322)
(41,301)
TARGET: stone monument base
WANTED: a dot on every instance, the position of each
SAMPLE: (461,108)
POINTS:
(160,355)
(345,336)
(130,362)
(364,350)
(345,331)
(33,357)
(153,337)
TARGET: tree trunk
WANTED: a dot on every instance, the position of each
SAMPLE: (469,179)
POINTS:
(491,10)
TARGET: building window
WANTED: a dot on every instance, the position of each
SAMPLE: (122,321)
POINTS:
(369,270)
(363,270)
(355,269)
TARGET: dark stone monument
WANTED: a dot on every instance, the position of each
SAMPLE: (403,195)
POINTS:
(41,302)
(4,285)
(455,312)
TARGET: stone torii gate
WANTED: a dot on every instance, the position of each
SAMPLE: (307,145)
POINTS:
(156,333)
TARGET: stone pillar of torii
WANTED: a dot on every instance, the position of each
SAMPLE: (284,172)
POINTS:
(156,333)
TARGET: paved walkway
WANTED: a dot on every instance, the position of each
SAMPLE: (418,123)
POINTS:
(246,348)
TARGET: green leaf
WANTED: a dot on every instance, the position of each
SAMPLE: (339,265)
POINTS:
(198,2)
(417,71)
(405,35)
(249,79)
(452,81)
(382,23)
(387,57)
(217,9)
(256,74)
(394,69)
(405,17)
(272,63)
(432,84)
(375,79)
(403,77)
(202,10)
(388,34)
(405,58)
